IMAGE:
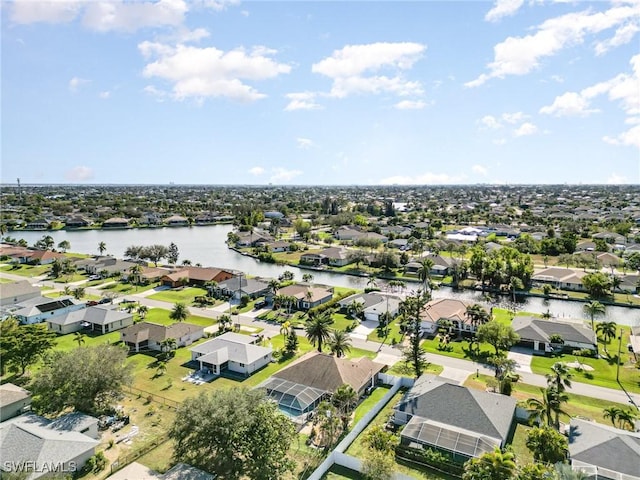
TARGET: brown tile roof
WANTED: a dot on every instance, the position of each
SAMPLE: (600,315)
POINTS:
(300,292)
(157,333)
(327,372)
(445,308)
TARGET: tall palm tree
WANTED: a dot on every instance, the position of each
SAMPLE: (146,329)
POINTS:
(78,293)
(307,278)
(612,414)
(549,406)
(627,418)
(345,399)
(102,247)
(339,343)
(355,309)
(594,309)
(318,328)
(143,310)
(477,315)
(608,331)
(424,273)
(79,337)
(135,271)
(274,285)
(179,313)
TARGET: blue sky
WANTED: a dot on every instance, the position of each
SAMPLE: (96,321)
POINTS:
(297,92)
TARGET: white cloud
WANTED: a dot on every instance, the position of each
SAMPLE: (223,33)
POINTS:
(514,118)
(46,11)
(280,174)
(526,128)
(623,35)
(480,170)
(521,55)
(503,8)
(105,95)
(210,72)
(111,15)
(499,141)
(410,105)
(569,104)
(79,174)
(428,178)
(489,121)
(615,179)
(256,171)
(353,69)
(302,101)
(629,138)
(305,143)
(76,82)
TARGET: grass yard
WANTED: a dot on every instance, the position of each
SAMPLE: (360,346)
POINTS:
(184,295)
(161,316)
(581,405)
(394,332)
(5,280)
(341,473)
(369,402)
(123,287)
(403,369)
(341,321)
(26,270)
(293,258)
(519,444)
(68,342)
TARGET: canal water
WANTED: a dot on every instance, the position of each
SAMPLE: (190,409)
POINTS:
(206,245)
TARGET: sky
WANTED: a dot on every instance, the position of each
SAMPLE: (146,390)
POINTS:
(320,93)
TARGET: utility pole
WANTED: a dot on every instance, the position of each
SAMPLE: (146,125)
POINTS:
(619,349)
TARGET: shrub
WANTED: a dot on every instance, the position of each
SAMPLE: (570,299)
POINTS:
(330,303)
(585,352)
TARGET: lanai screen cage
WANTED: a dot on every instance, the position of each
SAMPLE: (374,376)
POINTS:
(447,437)
(293,397)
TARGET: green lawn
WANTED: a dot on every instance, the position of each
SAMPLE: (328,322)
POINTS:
(5,280)
(68,342)
(341,321)
(161,316)
(581,405)
(519,445)
(60,293)
(369,402)
(403,369)
(26,270)
(394,333)
(123,287)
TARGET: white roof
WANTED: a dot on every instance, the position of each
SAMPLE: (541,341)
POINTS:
(230,347)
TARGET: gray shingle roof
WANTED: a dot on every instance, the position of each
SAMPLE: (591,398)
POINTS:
(488,414)
(17,289)
(10,393)
(230,346)
(97,315)
(531,328)
(605,447)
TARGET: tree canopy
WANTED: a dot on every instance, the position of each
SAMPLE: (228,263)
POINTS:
(501,336)
(23,345)
(87,379)
(233,433)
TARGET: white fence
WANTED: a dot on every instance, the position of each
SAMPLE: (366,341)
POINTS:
(337,455)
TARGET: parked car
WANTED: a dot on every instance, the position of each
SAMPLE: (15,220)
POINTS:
(260,304)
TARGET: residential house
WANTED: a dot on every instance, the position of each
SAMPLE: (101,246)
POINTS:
(334,256)
(41,257)
(232,352)
(348,233)
(99,318)
(239,286)
(48,446)
(106,266)
(38,224)
(374,305)
(452,310)
(399,243)
(456,419)
(177,221)
(279,246)
(562,278)
(17,292)
(115,222)
(307,296)
(302,385)
(189,275)
(610,237)
(252,239)
(145,336)
(14,401)
(630,283)
(604,452)
(40,309)
(535,333)
(76,221)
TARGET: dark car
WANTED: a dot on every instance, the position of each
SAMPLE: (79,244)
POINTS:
(260,304)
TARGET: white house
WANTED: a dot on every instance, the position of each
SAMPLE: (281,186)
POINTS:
(99,318)
(41,309)
(231,351)
(149,336)
(17,292)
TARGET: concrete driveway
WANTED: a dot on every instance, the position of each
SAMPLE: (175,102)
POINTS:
(523,358)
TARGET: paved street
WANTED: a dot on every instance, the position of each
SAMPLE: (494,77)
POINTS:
(454,368)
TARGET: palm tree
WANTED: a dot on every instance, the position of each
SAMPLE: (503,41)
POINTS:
(560,377)
(135,271)
(424,273)
(339,343)
(78,293)
(79,337)
(66,290)
(161,368)
(345,399)
(318,328)
(179,313)
(616,281)
(355,309)
(284,329)
(550,404)
(477,315)
(274,285)
(608,331)
(594,309)
(627,418)
(142,311)
(102,247)
(496,465)
(307,278)
(371,283)
(612,413)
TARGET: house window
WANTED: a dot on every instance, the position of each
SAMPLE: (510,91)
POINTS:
(241,364)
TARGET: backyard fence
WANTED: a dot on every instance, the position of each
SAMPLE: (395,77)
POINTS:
(124,460)
(152,397)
